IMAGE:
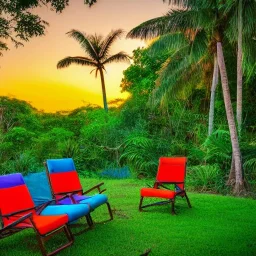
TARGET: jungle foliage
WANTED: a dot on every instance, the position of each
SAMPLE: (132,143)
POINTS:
(133,134)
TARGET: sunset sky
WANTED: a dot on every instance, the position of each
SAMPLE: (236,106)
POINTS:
(29,73)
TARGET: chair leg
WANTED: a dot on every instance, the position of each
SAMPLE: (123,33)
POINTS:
(189,205)
(140,205)
(173,208)
(41,244)
(69,234)
(89,220)
(110,211)
(42,239)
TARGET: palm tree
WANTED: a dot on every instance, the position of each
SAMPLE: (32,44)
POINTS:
(199,16)
(215,78)
(96,54)
(240,31)
(239,66)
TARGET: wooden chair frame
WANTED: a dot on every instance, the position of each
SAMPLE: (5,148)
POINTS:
(182,193)
(162,184)
(26,218)
(88,217)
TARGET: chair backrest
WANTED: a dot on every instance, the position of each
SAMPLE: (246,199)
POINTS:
(39,187)
(14,194)
(62,175)
(172,170)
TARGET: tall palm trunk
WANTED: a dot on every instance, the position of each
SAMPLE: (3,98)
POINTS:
(239,184)
(239,98)
(105,103)
(215,78)
(239,68)
(232,174)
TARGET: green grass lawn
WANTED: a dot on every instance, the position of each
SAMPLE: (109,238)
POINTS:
(215,225)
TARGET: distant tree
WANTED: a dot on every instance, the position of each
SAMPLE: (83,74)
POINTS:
(139,78)
(97,54)
(18,24)
(14,112)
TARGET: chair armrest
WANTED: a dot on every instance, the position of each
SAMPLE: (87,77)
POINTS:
(68,194)
(14,223)
(162,184)
(17,212)
(41,207)
(98,187)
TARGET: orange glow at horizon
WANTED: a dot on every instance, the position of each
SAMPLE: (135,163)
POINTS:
(29,73)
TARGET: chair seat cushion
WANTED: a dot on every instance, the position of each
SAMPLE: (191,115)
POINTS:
(153,192)
(95,201)
(46,224)
(74,211)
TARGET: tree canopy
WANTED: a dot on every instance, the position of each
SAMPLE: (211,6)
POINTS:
(18,24)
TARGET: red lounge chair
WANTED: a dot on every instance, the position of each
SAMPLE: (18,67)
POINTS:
(17,212)
(171,170)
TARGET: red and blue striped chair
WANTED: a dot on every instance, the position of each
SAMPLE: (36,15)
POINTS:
(40,191)
(171,170)
(18,212)
(64,180)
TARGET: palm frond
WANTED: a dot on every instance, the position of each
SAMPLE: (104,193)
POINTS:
(199,46)
(182,71)
(250,164)
(170,73)
(190,19)
(173,21)
(168,43)
(249,57)
(96,42)
(178,3)
(218,145)
(119,57)
(178,85)
(75,60)
(150,29)
(188,4)
(249,21)
(96,72)
(84,41)
(109,40)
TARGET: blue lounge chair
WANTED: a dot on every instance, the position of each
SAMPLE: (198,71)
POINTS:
(40,191)
(64,181)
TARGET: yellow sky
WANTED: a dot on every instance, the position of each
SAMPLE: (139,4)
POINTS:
(29,73)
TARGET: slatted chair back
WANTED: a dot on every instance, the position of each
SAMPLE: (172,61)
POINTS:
(172,170)
(63,176)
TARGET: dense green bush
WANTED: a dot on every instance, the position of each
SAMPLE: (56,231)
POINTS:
(208,178)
